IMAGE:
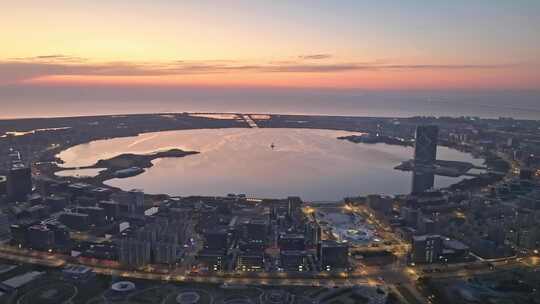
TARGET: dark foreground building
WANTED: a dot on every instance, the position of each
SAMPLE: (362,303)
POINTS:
(425,155)
(422,181)
(425,146)
(19,182)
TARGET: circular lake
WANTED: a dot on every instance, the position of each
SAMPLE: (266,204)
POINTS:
(312,164)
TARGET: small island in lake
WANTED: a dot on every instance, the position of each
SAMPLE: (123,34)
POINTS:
(128,164)
(130,160)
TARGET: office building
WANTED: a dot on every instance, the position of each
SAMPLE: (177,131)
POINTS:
(79,189)
(409,216)
(422,181)
(455,251)
(62,239)
(250,261)
(287,242)
(131,202)
(426,249)
(212,260)
(256,231)
(37,211)
(56,203)
(294,204)
(164,252)
(216,239)
(96,215)
(496,233)
(425,145)
(134,253)
(111,208)
(19,182)
(313,233)
(75,220)
(529,238)
(333,255)
(293,260)
(101,193)
(137,200)
(5,228)
(40,237)
(19,233)
(426,225)
(380,203)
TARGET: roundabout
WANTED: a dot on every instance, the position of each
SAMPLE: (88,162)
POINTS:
(54,293)
(188,297)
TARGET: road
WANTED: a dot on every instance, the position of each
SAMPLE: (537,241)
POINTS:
(250,121)
(402,276)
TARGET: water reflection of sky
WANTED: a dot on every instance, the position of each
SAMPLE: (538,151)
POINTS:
(79,172)
(305,162)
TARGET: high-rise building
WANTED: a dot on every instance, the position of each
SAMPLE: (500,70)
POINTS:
(19,182)
(56,203)
(410,216)
(137,197)
(40,237)
(294,204)
(426,248)
(5,228)
(75,220)
(256,230)
(529,238)
(333,255)
(164,252)
(496,233)
(96,215)
(425,154)
(426,225)
(425,146)
(289,242)
(134,253)
(216,239)
(380,203)
(131,201)
(422,181)
(212,260)
(250,261)
(313,233)
(112,209)
(293,260)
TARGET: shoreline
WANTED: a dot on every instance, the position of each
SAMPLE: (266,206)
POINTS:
(130,163)
(62,133)
(107,174)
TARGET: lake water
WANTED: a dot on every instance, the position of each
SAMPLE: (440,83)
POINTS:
(312,164)
(79,173)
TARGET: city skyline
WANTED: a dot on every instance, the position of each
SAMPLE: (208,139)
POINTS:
(270,152)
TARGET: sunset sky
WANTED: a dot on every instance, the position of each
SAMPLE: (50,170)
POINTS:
(459,44)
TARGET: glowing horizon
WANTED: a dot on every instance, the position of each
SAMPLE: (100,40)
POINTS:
(305,44)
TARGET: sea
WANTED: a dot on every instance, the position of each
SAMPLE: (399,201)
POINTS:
(86,101)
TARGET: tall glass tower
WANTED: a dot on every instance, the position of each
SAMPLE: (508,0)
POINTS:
(425,146)
(425,154)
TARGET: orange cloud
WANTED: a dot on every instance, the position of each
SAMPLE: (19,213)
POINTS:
(415,79)
(316,71)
